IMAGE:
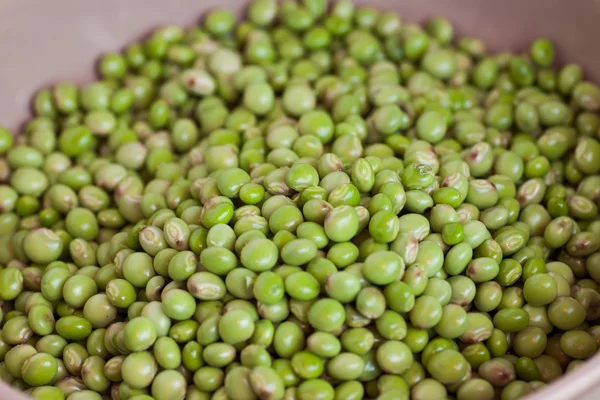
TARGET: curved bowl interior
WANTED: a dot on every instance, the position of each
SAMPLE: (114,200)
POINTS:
(42,42)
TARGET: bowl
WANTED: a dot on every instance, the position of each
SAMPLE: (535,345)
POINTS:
(42,42)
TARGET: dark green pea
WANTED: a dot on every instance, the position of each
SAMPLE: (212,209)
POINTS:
(452,233)
(527,369)
(497,343)
(476,354)
(417,176)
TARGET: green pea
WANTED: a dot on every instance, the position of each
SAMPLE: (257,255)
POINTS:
(179,304)
(326,315)
(383,267)
(39,369)
(11,282)
(426,313)
(511,320)
(298,251)
(566,313)
(288,339)
(73,327)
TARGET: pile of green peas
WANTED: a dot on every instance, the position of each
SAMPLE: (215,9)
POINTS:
(318,202)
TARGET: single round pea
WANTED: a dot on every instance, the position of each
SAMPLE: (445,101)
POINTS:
(426,313)
(139,369)
(78,289)
(139,334)
(267,381)
(453,321)
(258,98)
(236,326)
(47,393)
(11,282)
(577,344)
(542,52)
(39,369)
(475,388)
(259,255)
(168,383)
(478,328)
(178,304)
(448,366)
(342,286)
(540,289)
(315,389)
(511,319)
(394,357)
(298,251)
(384,227)
(341,223)
(371,303)
(326,315)
(383,268)
(73,327)
(82,223)
(42,246)
(428,387)
(566,313)
(302,286)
